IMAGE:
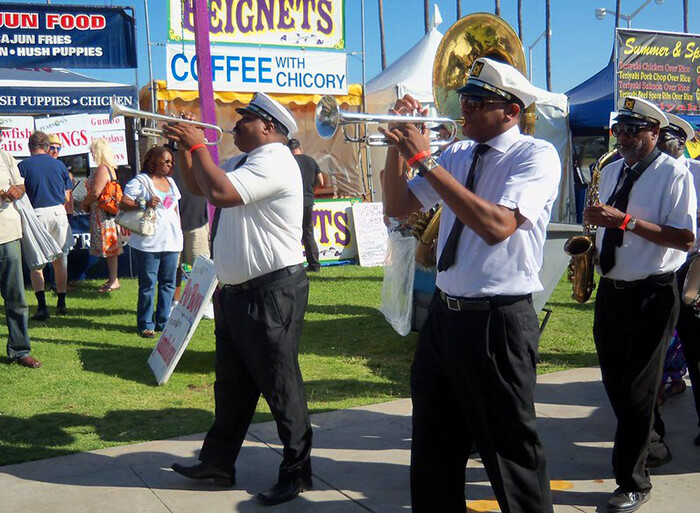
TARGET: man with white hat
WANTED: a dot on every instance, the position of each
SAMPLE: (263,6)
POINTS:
(263,292)
(473,376)
(672,141)
(646,224)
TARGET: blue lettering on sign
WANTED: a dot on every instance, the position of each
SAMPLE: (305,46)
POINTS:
(256,70)
(262,69)
(231,67)
(246,68)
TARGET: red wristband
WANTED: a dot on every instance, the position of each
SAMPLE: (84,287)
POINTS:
(420,155)
(625,221)
(196,147)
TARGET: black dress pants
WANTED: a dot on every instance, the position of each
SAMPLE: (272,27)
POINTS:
(688,328)
(257,344)
(473,380)
(308,239)
(632,329)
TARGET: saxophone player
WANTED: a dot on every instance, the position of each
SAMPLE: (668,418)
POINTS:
(473,375)
(646,224)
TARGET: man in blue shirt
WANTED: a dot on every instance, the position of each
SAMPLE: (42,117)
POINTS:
(48,187)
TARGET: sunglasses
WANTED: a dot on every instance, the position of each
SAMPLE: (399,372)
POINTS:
(55,148)
(475,103)
(628,130)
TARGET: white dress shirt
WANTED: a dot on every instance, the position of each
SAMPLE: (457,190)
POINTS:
(663,195)
(263,234)
(518,172)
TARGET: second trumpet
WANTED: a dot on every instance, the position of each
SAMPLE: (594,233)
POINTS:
(329,117)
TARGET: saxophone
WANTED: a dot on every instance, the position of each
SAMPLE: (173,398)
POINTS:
(581,248)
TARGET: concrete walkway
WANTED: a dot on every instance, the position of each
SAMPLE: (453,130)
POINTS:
(360,463)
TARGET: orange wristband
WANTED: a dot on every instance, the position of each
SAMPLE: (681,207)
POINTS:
(196,147)
(625,221)
(420,155)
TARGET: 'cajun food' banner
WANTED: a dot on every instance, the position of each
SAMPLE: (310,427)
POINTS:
(66,36)
(661,67)
(307,23)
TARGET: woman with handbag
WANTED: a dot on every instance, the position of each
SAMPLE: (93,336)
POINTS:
(102,201)
(157,254)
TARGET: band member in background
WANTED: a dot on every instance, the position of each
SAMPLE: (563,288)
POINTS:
(263,292)
(672,141)
(473,376)
(646,225)
(311,177)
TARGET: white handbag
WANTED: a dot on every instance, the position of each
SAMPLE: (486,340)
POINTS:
(140,222)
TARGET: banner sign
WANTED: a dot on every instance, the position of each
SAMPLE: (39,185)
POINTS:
(184,319)
(56,100)
(77,132)
(307,23)
(242,69)
(663,68)
(66,36)
(333,230)
(15,134)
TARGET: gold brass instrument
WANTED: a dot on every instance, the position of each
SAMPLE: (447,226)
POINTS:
(329,117)
(471,37)
(116,110)
(581,248)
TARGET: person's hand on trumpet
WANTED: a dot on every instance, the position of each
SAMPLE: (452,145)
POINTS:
(186,135)
(407,137)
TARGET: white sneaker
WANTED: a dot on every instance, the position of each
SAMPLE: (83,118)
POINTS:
(208,312)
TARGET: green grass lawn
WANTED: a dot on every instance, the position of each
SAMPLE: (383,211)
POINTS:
(95,388)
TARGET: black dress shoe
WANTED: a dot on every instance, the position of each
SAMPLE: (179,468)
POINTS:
(206,471)
(285,491)
(61,310)
(626,502)
(41,314)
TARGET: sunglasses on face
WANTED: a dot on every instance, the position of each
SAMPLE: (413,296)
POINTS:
(474,103)
(628,130)
(55,148)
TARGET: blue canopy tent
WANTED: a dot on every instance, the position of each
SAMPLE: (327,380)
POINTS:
(44,91)
(592,101)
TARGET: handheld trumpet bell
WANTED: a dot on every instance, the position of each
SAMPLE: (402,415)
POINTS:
(329,117)
(116,110)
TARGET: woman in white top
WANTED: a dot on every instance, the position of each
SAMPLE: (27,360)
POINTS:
(156,255)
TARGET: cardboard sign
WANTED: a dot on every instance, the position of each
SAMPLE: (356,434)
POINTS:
(183,320)
(15,134)
(370,233)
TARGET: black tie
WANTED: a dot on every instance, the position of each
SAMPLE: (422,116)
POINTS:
(217,215)
(449,251)
(613,237)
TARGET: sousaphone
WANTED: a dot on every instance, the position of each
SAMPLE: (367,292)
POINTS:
(469,38)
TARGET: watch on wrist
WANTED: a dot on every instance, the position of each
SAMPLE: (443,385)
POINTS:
(425,166)
(631,224)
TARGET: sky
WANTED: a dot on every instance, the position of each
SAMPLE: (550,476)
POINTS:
(581,44)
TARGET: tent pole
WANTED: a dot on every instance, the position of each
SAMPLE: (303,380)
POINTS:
(150,59)
(370,181)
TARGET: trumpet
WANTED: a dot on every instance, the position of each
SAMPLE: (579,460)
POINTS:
(329,117)
(116,110)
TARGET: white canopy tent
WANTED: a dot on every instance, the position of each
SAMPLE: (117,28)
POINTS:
(412,74)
